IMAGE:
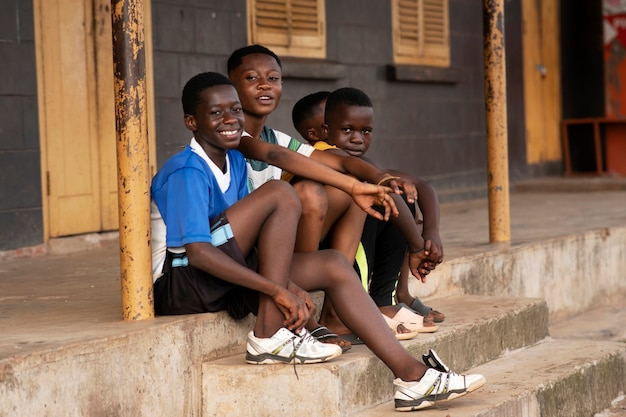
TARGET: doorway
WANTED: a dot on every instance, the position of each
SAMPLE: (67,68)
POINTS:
(73,43)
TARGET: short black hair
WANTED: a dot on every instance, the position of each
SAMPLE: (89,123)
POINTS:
(193,88)
(346,96)
(306,107)
(237,56)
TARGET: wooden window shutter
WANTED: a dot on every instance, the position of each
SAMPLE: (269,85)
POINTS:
(421,32)
(288,27)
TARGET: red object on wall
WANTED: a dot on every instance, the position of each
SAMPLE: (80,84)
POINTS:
(615,87)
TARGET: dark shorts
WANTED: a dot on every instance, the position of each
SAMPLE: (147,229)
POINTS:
(385,248)
(184,289)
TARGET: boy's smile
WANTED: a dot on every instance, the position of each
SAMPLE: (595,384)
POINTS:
(350,127)
(218,122)
(259,83)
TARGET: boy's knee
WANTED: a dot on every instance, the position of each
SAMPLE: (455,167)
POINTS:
(283,193)
(313,197)
(337,265)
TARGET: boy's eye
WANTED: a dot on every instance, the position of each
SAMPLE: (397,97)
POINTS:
(237,109)
(346,129)
(274,78)
(252,78)
(215,112)
(366,131)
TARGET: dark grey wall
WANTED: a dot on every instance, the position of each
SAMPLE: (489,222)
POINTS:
(432,129)
(20,179)
(435,129)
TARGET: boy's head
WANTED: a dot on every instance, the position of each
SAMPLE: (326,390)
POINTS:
(256,73)
(308,116)
(213,111)
(349,120)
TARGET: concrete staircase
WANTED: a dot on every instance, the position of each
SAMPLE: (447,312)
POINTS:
(506,339)
(75,357)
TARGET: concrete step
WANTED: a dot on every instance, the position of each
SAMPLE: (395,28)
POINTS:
(555,378)
(477,329)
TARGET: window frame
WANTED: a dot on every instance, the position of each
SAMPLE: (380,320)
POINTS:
(421,32)
(307,41)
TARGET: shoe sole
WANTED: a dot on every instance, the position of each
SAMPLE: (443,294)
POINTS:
(413,405)
(269,359)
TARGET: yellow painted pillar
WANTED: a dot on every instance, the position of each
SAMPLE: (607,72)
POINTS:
(496,119)
(133,168)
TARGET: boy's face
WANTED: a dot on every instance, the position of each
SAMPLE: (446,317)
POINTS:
(350,128)
(259,83)
(218,122)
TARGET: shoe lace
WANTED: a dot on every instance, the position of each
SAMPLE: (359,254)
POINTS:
(302,338)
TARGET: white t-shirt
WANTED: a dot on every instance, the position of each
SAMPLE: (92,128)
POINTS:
(260,172)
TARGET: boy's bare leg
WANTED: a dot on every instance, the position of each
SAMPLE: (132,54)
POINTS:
(344,221)
(402,289)
(328,270)
(314,202)
(268,217)
(328,210)
(345,235)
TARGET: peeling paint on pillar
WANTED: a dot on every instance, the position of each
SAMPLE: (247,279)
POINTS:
(132,159)
(496,121)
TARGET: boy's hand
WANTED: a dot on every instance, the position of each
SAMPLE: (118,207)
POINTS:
(303,295)
(368,195)
(293,308)
(400,185)
(434,247)
(419,264)
(409,189)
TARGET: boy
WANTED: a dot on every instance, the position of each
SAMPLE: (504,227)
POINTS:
(256,73)
(210,268)
(350,123)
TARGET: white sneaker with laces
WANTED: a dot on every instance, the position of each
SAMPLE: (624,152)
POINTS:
(287,347)
(434,387)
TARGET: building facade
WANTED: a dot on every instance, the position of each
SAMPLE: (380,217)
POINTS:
(421,62)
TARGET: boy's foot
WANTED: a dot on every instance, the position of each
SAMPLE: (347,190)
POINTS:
(413,321)
(434,387)
(322,334)
(436,316)
(287,347)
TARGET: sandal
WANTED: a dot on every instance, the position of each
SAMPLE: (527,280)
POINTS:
(414,321)
(324,335)
(353,339)
(399,331)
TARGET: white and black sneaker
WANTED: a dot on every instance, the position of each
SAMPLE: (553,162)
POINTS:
(434,387)
(432,360)
(287,347)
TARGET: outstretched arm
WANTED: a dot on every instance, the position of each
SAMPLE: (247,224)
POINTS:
(428,203)
(364,170)
(365,195)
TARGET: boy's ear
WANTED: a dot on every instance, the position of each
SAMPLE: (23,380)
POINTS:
(311,135)
(325,129)
(190,122)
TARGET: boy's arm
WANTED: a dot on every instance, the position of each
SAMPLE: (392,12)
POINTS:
(364,170)
(365,195)
(428,203)
(204,256)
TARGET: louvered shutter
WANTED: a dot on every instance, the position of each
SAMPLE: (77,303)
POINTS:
(421,33)
(289,27)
